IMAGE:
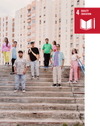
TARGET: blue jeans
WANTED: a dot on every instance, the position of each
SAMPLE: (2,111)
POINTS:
(36,65)
(17,81)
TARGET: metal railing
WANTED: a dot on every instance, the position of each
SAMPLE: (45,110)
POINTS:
(81,66)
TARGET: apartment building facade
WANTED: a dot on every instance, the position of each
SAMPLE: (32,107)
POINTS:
(6,30)
(53,19)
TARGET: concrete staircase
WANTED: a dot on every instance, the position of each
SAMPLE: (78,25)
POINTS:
(41,105)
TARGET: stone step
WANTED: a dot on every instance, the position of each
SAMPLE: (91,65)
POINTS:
(33,114)
(40,94)
(41,106)
(39,122)
(60,100)
(35,79)
(37,88)
(43,88)
(79,84)
(36,94)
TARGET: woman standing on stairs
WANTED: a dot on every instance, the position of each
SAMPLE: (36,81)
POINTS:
(74,66)
(6,46)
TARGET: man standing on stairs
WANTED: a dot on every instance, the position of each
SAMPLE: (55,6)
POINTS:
(34,59)
(57,65)
(14,55)
(20,68)
(47,49)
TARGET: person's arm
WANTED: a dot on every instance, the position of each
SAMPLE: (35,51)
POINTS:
(27,64)
(51,49)
(25,70)
(78,57)
(38,55)
(43,49)
(63,59)
(71,63)
(62,63)
(15,70)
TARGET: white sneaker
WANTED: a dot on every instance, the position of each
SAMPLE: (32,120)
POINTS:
(23,91)
(15,91)
(69,82)
(74,82)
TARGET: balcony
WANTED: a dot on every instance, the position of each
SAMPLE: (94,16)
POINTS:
(29,20)
(83,45)
(29,7)
(85,2)
(85,37)
(85,54)
(28,40)
(28,46)
(28,27)
(29,14)
(29,33)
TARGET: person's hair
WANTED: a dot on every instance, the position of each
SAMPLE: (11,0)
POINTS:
(32,42)
(15,41)
(54,42)
(75,51)
(58,45)
(72,52)
(47,39)
(7,41)
(20,51)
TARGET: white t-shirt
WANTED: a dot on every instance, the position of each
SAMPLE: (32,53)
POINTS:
(20,65)
(74,57)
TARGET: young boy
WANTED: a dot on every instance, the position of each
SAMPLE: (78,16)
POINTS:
(14,54)
(34,58)
(20,68)
(57,65)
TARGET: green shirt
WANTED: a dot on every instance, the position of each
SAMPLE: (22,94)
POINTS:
(47,48)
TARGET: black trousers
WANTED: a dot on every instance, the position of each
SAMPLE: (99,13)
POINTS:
(46,59)
(13,60)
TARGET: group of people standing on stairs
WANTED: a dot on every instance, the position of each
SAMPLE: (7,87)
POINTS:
(51,54)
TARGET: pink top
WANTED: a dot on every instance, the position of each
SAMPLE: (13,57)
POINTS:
(6,48)
(54,48)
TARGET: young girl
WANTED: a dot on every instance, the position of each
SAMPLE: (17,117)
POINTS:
(6,46)
(74,66)
(53,50)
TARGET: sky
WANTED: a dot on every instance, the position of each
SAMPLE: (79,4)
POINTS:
(8,7)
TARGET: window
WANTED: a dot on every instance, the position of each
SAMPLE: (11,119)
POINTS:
(60,28)
(60,20)
(55,28)
(33,8)
(60,14)
(60,6)
(71,12)
(33,14)
(55,15)
(77,36)
(23,21)
(85,58)
(29,24)
(71,36)
(59,35)
(43,27)
(72,4)
(33,28)
(44,15)
(20,45)
(24,27)
(33,35)
(29,11)
(77,44)
(66,37)
(40,16)
(55,22)
(66,21)
(71,20)
(71,45)
(43,21)
(71,28)
(55,35)
(44,7)
(20,16)
(33,21)
(83,41)
(78,2)
(85,50)
(66,29)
